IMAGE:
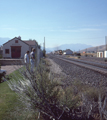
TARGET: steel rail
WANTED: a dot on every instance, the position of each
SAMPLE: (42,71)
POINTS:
(96,68)
(88,62)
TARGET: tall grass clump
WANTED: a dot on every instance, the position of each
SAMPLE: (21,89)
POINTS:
(38,92)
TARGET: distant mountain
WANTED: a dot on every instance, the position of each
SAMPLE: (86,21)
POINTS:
(73,47)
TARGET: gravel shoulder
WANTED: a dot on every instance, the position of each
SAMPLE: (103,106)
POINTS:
(57,70)
(54,68)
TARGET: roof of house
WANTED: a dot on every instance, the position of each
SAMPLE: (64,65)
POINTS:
(30,42)
(15,38)
(68,50)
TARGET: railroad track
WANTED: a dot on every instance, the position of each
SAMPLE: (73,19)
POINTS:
(98,67)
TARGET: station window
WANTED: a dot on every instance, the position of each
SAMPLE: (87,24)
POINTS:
(6,51)
(16,41)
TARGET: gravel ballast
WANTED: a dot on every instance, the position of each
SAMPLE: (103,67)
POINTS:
(86,76)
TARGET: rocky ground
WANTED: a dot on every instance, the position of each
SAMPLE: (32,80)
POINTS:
(71,72)
(94,59)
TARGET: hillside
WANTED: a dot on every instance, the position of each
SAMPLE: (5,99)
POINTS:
(96,48)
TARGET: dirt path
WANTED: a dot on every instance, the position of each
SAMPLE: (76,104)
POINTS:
(59,75)
(10,68)
(55,68)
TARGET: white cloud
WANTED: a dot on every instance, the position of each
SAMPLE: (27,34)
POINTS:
(77,30)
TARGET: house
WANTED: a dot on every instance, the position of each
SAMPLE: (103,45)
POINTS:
(105,54)
(32,43)
(1,51)
(16,48)
(102,54)
(67,52)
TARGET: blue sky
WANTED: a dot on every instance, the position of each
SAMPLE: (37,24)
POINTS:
(59,21)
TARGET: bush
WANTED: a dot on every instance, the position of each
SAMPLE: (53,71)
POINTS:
(1,56)
(77,54)
(38,92)
(1,77)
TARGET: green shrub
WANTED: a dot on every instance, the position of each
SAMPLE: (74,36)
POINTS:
(1,56)
(1,75)
(70,99)
(38,92)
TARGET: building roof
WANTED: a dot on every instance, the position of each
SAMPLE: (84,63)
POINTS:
(30,42)
(15,38)
(68,50)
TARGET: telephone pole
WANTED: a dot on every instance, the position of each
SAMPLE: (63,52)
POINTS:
(96,49)
(44,43)
(44,47)
(106,42)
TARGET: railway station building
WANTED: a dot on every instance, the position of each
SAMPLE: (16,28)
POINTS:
(16,48)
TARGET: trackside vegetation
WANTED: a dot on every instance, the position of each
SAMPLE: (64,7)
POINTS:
(40,96)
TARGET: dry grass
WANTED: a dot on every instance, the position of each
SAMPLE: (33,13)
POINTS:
(89,54)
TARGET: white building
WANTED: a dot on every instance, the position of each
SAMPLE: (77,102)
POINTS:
(105,54)
(68,52)
(102,54)
(16,48)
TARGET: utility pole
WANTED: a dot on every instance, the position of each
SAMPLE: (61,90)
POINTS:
(96,49)
(106,42)
(44,47)
(44,43)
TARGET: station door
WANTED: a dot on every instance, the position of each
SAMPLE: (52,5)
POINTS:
(15,51)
